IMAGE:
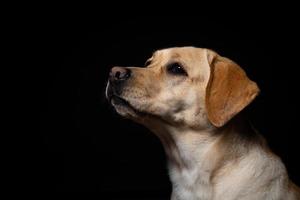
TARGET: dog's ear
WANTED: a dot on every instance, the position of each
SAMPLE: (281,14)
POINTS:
(229,90)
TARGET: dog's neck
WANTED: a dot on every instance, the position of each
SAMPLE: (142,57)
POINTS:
(212,147)
(198,157)
(182,146)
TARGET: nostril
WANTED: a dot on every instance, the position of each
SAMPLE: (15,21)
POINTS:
(117,75)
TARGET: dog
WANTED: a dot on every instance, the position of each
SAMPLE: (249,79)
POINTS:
(192,99)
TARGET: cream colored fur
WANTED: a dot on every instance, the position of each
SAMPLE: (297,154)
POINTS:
(211,155)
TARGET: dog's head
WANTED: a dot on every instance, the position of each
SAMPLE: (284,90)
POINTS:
(185,86)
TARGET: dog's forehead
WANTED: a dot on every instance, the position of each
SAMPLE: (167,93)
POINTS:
(185,54)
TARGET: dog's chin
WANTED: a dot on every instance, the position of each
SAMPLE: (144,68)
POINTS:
(124,108)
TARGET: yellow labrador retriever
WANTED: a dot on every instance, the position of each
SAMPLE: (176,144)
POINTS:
(191,98)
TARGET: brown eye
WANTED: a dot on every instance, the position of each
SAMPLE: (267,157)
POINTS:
(176,69)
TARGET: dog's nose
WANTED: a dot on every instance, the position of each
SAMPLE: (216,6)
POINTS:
(119,74)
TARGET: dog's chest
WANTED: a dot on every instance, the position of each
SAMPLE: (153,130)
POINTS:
(192,184)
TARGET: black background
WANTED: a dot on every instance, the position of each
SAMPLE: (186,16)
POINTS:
(84,146)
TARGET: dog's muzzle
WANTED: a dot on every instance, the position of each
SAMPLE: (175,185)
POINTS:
(118,77)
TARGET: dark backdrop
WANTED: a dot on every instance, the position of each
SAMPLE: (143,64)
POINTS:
(83,145)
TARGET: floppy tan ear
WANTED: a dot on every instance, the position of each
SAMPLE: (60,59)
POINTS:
(229,90)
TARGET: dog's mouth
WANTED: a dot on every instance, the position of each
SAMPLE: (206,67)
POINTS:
(116,100)
(123,106)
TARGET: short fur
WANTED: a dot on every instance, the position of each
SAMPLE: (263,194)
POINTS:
(213,153)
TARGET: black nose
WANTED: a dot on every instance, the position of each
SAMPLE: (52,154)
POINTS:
(119,74)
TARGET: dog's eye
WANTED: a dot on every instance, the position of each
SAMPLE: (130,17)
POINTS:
(176,68)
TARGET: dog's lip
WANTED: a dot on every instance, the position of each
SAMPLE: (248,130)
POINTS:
(117,100)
